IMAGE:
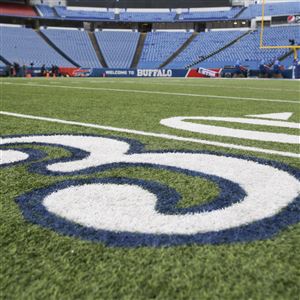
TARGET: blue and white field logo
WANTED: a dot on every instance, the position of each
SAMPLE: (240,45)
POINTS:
(257,198)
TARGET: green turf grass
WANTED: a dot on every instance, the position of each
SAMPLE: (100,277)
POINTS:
(38,263)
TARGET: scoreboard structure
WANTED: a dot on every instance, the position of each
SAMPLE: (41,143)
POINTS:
(149,3)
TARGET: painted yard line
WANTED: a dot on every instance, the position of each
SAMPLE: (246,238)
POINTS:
(175,79)
(153,134)
(234,79)
(197,85)
(155,92)
(163,81)
(178,79)
(172,82)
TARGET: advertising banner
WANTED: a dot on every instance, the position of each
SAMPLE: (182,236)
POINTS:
(152,73)
(140,73)
(204,73)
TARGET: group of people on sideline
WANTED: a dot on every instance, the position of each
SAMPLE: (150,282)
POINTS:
(16,70)
(272,70)
(276,70)
(264,70)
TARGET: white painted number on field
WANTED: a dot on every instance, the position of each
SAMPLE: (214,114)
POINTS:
(131,208)
(11,156)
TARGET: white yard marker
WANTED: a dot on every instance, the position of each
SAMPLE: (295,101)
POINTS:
(152,134)
(184,124)
(200,85)
(277,116)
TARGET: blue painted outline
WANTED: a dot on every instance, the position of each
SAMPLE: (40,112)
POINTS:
(31,206)
(33,155)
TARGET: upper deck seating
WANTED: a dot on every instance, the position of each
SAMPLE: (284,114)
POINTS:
(64,12)
(271,9)
(210,15)
(46,11)
(147,17)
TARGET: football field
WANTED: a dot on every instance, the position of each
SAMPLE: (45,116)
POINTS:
(150,189)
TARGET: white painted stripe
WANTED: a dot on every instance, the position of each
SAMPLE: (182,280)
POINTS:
(154,81)
(154,92)
(152,134)
(201,84)
(277,116)
(249,121)
(184,124)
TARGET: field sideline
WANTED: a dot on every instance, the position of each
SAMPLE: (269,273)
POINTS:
(250,123)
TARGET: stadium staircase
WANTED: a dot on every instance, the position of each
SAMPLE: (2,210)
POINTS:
(56,15)
(284,56)
(219,50)
(52,45)
(139,50)
(240,12)
(5,61)
(97,49)
(175,54)
(177,17)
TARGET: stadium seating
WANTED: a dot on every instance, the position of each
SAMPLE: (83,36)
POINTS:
(147,17)
(76,45)
(159,46)
(16,10)
(254,10)
(64,12)
(247,50)
(288,61)
(225,14)
(46,11)
(204,44)
(118,47)
(24,46)
(271,9)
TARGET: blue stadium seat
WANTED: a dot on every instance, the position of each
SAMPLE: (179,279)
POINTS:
(159,46)
(271,9)
(210,15)
(64,12)
(247,49)
(147,17)
(118,47)
(288,61)
(76,45)
(254,10)
(46,11)
(23,45)
(204,44)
